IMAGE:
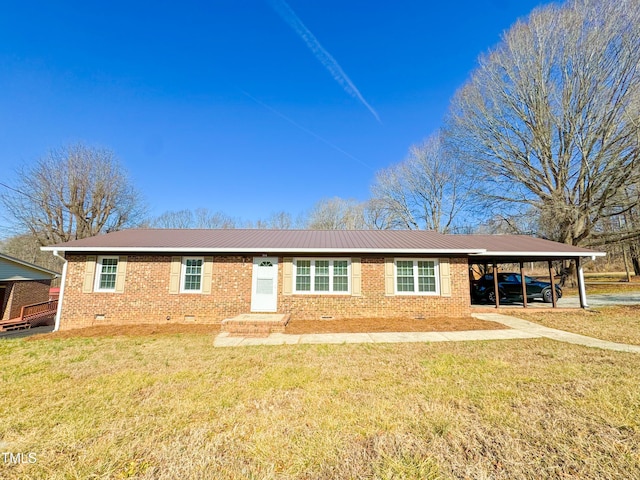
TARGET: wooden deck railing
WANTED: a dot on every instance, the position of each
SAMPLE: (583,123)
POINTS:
(39,312)
(32,315)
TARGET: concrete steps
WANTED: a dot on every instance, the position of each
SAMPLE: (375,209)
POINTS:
(255,324)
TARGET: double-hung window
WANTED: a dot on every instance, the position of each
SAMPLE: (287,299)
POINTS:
(191,275)
(417,276)
(320,275)
(106,271)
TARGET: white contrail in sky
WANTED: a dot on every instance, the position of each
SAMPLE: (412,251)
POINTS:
(304,129)
(330,63)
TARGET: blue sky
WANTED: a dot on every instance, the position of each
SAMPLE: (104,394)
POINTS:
(248,107)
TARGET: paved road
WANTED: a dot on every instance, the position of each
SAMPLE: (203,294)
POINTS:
(573,301)
(602,300)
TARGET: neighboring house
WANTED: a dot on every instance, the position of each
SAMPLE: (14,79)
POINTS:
(160,276)
(21,284)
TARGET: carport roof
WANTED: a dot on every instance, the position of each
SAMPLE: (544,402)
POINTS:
(522,247)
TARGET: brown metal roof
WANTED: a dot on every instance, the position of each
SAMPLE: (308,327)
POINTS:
(316,241)
(269,240)
(504,246)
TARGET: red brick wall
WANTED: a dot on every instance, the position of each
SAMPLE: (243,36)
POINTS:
(23,292)
(146,297)
(374,303)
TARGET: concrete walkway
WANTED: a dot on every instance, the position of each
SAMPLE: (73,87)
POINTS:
(520,329)
(224,340)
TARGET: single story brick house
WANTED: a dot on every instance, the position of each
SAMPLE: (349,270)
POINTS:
(21,283)
(163,275)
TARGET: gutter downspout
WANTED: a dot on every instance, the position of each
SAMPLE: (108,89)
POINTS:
(62,283)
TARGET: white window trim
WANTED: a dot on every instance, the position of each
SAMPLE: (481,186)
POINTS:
(96,282)
(312,273)
(436,272)
(183,274)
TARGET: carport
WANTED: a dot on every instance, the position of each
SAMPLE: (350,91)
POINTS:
(518,249)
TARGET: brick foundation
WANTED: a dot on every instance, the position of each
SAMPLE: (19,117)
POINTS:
(146,297)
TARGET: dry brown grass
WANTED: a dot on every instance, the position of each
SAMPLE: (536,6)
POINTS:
(596,288)
(171,406)
(365,325)
(616,324)
(610,277)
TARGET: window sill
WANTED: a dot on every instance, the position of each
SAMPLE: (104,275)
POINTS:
(417,294)
(324,294)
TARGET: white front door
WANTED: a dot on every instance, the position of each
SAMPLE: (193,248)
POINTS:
(264,289)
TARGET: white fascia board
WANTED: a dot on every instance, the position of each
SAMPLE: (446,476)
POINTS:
(539,254)
(413,251)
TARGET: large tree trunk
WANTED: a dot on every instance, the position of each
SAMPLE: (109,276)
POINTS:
(568,273)
(635,258)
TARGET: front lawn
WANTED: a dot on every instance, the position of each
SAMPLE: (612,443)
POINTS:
(168,406)
(616,324)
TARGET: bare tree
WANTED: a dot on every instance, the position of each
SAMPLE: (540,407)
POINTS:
(511,225)
(174,219)
(27,247)
(631,221)
(73,192)
(281,221)
(198,218)
(377,216)
(337,214)
(278,221)
(620,230)
(550,117)
(429,190)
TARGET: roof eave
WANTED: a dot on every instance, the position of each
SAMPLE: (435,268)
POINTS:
(490,254)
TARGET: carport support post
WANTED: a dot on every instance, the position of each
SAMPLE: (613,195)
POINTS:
(524,285)
(495,284)
(581,290)
(554,298)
